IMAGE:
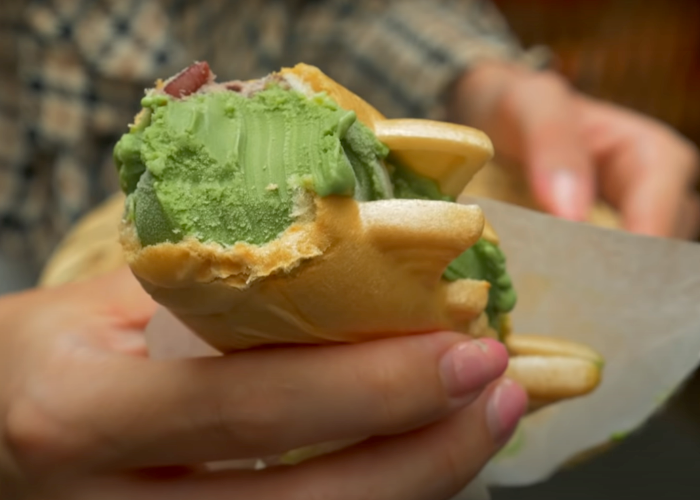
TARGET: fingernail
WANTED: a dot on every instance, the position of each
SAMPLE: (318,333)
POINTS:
(506,405)
(468,366)
(565,188)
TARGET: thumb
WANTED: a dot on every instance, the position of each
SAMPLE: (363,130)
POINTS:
(558,167)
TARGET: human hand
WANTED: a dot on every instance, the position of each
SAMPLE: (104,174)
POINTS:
(574,148)
(86,415)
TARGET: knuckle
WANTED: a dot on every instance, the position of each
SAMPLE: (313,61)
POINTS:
(550,81)
(537,84)
(388,402)
(384,388)
(453,469)
(402,395)
(248,421)
(668,143)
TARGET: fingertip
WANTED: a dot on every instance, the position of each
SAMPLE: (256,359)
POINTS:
(467,367)
(497,352)
(506,405)
(565,193)
(640,215)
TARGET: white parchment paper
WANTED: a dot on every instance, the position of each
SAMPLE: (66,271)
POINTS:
(634,299)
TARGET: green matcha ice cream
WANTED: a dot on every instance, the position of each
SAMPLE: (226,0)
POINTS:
(223,167)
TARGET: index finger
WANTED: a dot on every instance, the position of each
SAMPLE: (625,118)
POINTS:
(137,412)
(557,164)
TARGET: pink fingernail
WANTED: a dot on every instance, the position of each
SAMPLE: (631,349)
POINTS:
(468,366)
(504,409)
(565,187)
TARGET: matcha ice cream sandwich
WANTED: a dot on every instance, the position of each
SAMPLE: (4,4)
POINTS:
(286,210)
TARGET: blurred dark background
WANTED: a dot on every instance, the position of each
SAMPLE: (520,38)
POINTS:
(644,55)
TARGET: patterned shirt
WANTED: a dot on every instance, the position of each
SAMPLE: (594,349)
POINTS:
(72,73)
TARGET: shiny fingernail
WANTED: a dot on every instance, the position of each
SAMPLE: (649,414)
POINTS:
(565,194)
(468,366)
(506,405)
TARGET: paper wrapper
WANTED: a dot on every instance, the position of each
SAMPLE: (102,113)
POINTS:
(632,298)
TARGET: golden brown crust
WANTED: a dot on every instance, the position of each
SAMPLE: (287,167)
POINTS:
(367,274)
(174,265)
(447,153)
(319,82)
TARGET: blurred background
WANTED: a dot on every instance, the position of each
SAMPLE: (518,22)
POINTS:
(644,55)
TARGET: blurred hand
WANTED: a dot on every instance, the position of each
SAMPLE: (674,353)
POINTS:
(574,148)
(84,414)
